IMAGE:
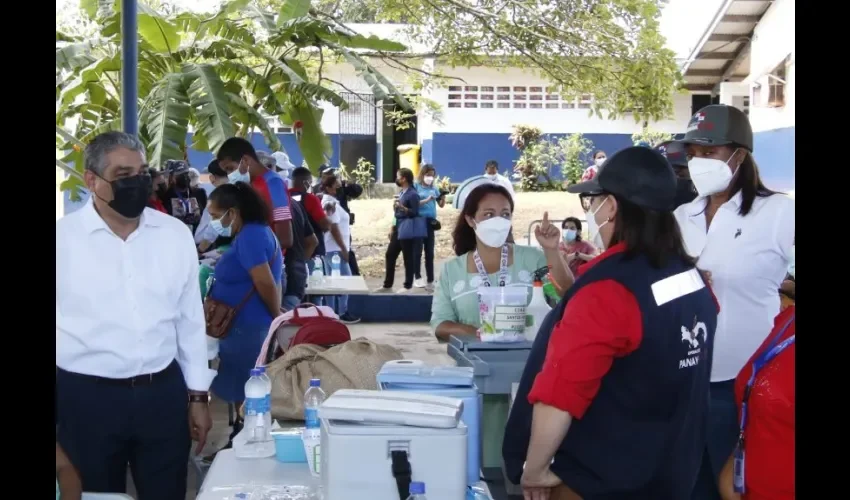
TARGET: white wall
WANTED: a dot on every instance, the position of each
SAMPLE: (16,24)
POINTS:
(60,200)
(494,120)
(773,40)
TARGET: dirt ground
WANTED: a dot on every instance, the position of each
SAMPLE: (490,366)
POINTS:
(374,218)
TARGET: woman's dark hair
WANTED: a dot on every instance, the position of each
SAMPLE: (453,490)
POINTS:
(154,173)
(242,197)
(646,232)
(329,181)
(596,153)
(577,223)
(424,169)
(215,169)
(407,174)
(463,236)
(748,181)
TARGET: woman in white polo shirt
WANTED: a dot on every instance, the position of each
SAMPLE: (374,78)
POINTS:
(742,234)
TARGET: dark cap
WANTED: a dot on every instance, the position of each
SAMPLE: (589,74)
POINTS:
(176,167)
(674,152)
(719,125)
(637,174)
(326,169)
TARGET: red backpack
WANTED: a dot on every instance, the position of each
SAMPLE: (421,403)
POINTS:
(306,324)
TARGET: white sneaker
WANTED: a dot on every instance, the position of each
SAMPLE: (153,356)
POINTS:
(429,288)
(420,283)
(402,291)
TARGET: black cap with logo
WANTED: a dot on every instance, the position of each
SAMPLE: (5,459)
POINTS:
(176,167)
(638,174)
(674,152)
(719,125)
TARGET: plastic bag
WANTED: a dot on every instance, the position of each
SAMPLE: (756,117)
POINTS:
(502,312)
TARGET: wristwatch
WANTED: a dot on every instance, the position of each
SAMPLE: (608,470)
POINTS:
(199,398)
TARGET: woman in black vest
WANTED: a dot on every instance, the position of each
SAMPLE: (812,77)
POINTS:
(614,396)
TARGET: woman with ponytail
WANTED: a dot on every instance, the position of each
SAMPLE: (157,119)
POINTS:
(247,278)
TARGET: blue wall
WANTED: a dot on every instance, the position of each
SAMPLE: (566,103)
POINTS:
(774,152)
(461,156)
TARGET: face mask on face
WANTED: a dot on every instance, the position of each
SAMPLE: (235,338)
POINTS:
(237,176)
(398,182)
(429,179)
(593,227)
(182,181)
(130,195)
(685,192)
(493,232)
(219,228)
(570,235)
(599,161)
(492,177)
(710,176)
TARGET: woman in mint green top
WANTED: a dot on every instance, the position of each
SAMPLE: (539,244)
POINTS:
(481,240)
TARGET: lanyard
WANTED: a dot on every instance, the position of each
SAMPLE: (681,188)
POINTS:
(503,268)
(774,348)
(183,201)
(760,362)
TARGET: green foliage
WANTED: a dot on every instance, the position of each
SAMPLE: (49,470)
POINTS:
(524,136)
(610,49)
(219,74)
(576,151)
(541,158)
(651,137)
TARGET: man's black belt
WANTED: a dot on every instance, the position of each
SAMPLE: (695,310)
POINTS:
(138,380)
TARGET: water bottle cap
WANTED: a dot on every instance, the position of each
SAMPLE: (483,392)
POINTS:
(314,382)
(255,372)
(417,488)
(261,368)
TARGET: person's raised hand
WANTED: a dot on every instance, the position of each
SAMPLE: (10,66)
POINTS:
(548,235)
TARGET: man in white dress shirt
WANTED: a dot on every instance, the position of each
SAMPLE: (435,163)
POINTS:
(491,172)
(132,378)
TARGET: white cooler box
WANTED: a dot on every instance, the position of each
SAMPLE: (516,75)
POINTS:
(361,429)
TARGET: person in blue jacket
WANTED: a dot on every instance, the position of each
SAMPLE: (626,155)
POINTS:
(614,396)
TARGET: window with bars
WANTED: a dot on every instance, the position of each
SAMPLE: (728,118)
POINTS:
(513,97)
(278,127)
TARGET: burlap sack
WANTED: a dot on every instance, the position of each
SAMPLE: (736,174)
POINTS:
(352,365)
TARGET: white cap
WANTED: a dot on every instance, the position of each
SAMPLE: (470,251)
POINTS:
(283,160)
(468,186)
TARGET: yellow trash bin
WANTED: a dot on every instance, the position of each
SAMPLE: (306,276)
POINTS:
(408,157)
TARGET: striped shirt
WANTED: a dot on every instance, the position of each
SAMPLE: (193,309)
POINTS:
(273,191)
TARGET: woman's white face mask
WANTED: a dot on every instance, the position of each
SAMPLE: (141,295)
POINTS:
(709,175)
(593,227)
(493,232)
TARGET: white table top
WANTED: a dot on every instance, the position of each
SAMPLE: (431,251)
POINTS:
(339,285)
(229,477)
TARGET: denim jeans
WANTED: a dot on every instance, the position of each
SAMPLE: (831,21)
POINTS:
(295,284)
(339,303)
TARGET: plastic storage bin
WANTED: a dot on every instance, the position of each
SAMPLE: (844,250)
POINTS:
(450,381)
(495,367)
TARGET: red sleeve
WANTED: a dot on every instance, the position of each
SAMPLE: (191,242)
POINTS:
(601,322)
(314,207)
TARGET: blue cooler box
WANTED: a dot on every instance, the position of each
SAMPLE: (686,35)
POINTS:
(449,381)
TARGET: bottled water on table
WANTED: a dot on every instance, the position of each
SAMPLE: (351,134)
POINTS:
(257,427)
(318,274)
(417,491)
(268,383)
(336,262)
(313,399)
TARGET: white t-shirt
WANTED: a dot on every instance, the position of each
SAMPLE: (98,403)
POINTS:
(748,258)
(339,217)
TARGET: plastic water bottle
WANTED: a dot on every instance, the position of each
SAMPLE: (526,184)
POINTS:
(417,491)
(259,440)
(318,274)
(268,382)
(313,399)
(536,311)
(335,264)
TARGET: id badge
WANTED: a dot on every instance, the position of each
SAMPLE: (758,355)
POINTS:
(738,470)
